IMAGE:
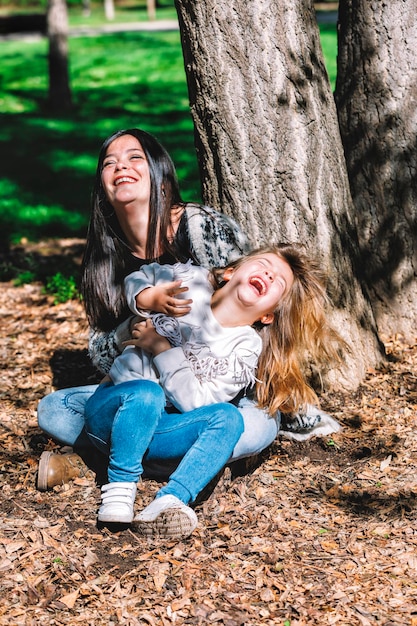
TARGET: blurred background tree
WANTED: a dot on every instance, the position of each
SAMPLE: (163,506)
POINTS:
(57,29)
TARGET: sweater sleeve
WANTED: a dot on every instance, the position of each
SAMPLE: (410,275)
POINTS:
(137,282)
(215,238)
(189,389)
(104,347)
(148,276)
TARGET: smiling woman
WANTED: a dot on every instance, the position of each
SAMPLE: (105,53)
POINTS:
(143,221)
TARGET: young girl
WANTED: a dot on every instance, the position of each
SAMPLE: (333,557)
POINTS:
(207,354)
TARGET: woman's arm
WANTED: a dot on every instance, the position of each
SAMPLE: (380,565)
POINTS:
(104,347)
(215,238)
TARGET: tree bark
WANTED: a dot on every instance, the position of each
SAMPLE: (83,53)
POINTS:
(268,143)
(59,85)
(376,95)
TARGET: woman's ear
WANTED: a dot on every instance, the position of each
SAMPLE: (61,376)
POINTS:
(228,273)
(268,318)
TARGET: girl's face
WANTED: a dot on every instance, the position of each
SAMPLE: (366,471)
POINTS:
(125,175)
(260,283)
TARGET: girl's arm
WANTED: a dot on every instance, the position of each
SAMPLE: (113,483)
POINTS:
(104,346)
(161,299)
(155,288)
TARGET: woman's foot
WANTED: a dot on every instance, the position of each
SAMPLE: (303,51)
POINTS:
(58,469)
(166,517)
(117,500)
(308,423)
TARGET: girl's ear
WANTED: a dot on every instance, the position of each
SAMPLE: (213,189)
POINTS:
(228,273)
(268,318)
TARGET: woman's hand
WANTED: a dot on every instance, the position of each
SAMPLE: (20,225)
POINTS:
(145,336)
(162,299)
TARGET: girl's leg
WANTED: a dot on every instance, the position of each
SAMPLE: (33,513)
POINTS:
(260,430)
(121,421)
(204,439)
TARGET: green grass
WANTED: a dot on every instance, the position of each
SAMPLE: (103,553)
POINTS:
(328,38)
(125,10)
(118,81)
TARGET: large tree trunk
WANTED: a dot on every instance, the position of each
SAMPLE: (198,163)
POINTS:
(59,86)
(268,142)
(376,96)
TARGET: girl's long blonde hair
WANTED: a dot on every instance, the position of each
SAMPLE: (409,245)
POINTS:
(298,337)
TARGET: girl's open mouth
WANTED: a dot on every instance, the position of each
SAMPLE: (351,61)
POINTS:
(259,285)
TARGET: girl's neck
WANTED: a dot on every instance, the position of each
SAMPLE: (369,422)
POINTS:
(227,311)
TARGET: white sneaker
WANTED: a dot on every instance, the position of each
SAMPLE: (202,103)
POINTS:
(303,426)
(166,517)
(117,500)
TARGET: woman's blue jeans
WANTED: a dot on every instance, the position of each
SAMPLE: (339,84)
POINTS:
(129,422)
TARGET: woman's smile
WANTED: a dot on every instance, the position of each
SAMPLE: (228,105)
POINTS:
(124,179)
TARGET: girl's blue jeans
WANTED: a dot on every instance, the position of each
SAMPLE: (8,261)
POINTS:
(129,422)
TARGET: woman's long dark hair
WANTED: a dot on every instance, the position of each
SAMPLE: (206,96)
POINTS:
(107,251)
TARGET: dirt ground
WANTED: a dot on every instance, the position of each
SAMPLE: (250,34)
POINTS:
(319,532)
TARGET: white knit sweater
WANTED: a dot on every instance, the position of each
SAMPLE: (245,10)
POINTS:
(208,363)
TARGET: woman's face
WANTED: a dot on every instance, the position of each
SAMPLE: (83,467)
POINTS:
(125,175)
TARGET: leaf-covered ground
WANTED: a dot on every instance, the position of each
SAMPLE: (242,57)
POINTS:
(320,532)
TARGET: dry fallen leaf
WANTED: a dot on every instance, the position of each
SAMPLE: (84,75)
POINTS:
(70,599)
(385,463)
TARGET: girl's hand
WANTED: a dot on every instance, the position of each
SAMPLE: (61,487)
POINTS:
(162,299)
(145,336)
